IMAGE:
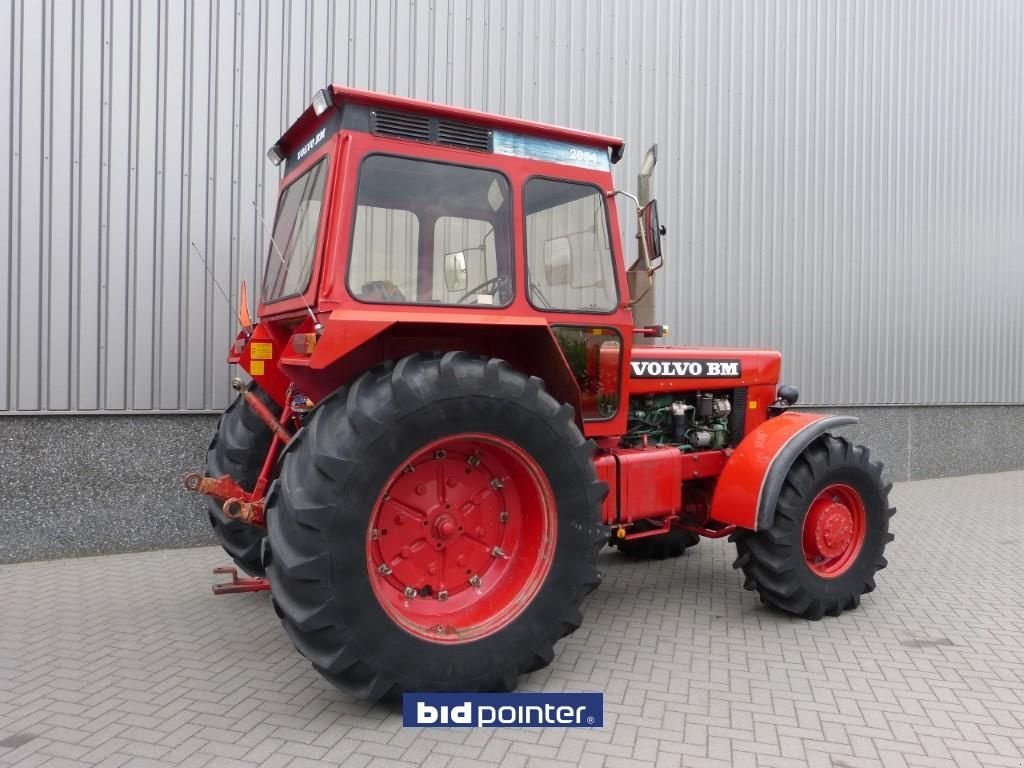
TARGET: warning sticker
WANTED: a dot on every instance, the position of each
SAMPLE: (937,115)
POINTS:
(261,350)
(255,367)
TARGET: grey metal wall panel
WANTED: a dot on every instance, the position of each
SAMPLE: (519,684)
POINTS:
(842,181)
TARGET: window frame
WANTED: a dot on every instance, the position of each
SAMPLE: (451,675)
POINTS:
(511,231)
(317,243)
(616,305)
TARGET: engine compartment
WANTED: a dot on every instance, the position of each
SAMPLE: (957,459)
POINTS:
(692,421)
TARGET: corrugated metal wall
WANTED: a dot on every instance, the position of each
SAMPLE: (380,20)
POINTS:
(841,180)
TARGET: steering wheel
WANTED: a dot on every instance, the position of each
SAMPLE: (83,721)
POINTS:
(498,283)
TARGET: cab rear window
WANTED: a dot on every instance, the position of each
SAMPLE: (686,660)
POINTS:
(292,251)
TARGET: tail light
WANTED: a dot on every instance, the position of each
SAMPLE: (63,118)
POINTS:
(304,343)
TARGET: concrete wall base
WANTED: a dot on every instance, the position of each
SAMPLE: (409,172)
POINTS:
(86,485)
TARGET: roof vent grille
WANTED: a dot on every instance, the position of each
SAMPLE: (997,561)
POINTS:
(401,125)
(463,135)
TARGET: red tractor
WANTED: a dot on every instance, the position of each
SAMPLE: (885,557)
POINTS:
(452,409)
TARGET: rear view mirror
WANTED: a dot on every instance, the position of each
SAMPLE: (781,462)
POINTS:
(455,272)
(653,230)
(558,261)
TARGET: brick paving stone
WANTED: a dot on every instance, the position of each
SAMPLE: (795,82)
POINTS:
(130,661)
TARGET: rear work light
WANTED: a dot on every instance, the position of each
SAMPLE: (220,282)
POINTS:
(304,343)
(322,101)
(275,155)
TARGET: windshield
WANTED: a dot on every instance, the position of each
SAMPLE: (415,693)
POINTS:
(568,251)
(290,261)
(431,233)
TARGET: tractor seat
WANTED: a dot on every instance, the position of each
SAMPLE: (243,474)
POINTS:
(381,290)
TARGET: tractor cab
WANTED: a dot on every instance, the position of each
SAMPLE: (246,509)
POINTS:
(402,224)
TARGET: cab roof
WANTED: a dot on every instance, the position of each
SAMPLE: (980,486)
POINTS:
(391,115)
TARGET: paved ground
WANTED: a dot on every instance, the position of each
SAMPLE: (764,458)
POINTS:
(128,660)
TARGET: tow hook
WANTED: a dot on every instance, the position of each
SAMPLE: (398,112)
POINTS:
(250,512)
(237,503)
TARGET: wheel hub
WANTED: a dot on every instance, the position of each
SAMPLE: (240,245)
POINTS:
(462,535)
(834,530)
(445,527)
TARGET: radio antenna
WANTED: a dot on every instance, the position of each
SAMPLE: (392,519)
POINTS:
(220,288)
(317,326)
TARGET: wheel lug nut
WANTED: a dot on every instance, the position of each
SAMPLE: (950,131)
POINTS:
(496,484)
(439,454)
(442,595)
(503,517)
(498,552)
(383,569)
(410,592)
(474,581)
(473,460)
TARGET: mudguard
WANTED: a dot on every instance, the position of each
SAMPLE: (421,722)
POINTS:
(749,486)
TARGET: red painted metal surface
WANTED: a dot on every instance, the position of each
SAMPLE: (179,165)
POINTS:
(222,487)
(708,533)
(650,483)
(834,530)
(608,473)
(461,538)
(260,358)
(239,504)
(738,491)
(238,584)
(273,424)
(644,483)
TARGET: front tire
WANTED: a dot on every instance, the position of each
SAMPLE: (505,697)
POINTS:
(435,526)
(828,538)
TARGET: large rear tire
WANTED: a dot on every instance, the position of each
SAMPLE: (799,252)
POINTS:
(238,449)
(435,526)
(828,537)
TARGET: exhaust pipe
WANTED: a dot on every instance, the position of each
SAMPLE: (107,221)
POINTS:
(637,278)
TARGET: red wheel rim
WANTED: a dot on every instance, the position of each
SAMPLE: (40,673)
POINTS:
(462,538)
(834,531)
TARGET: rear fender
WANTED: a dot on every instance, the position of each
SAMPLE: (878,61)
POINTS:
(749,486)
(354,342)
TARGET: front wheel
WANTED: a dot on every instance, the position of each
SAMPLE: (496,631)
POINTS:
(828,538)
(435,526)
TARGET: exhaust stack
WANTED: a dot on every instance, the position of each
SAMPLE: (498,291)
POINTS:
(637,278)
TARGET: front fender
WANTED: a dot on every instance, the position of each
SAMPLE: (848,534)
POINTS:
(750,483)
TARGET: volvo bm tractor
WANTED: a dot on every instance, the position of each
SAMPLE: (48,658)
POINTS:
(451,406)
